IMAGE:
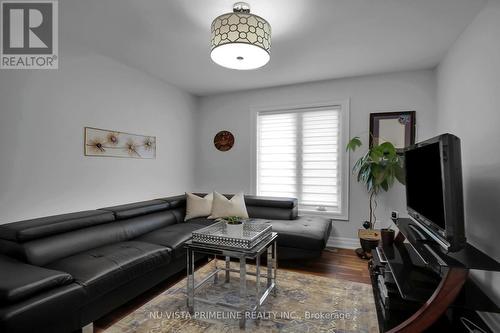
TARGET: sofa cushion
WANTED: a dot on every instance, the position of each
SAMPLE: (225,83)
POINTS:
(277,208)
(306,232)
(139,225)
(19,280)
(46,250)
(173,236)
(224,207)
(137,208)
(179,213)
(262,201)
(175,201)
(27,230)
(177,205)
(106,268)
(264,212)
(197,206)
(203,221)
(43,251)
(275,202)
(272,207)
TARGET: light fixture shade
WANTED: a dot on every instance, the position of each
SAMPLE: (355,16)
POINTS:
(241,40)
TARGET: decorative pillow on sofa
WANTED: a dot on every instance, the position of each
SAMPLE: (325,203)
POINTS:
(223,207)
(197,206)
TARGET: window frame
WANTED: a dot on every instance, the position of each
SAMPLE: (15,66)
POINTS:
(344,155)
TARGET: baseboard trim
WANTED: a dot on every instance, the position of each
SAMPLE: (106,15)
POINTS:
(343,242)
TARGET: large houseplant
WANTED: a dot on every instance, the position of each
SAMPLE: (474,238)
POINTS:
(377,169)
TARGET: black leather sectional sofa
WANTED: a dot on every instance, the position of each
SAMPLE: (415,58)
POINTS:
(60,273)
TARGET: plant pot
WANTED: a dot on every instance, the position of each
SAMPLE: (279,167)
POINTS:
(368,244)
(234,230)
(387,236)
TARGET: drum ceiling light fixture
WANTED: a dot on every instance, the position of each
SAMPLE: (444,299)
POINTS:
(240,40)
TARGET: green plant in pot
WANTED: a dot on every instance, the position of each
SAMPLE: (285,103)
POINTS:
(234,225)
(377,169)
(233,220)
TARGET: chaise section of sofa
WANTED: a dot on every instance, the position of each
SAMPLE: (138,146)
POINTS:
(300,237)
(73,268)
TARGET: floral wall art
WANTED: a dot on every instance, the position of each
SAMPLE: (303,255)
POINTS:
(100,142)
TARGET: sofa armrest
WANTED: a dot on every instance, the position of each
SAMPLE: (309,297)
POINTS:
(19,280)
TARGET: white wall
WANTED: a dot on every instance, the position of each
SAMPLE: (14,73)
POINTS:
(230,171)
(42,116)
(469,106)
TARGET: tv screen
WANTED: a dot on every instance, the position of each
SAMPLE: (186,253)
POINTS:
(434,194)
(424,183)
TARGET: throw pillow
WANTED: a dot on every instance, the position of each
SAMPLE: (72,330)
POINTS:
(197,206)
(224,207)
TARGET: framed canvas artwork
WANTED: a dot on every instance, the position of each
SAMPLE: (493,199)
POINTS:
(101,142)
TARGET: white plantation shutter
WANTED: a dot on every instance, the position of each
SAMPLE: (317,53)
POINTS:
(298,155)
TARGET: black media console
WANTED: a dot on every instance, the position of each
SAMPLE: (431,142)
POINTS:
(418,286)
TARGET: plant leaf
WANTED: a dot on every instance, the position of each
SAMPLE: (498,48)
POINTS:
(388,149)
(400,174)
(353,144)
(369,185)
(376,154)
(379,174)
(385,185)
(357,165)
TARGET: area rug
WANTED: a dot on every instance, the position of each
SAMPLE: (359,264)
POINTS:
(303,303)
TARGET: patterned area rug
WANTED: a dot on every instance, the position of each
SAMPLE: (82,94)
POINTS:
(304,303)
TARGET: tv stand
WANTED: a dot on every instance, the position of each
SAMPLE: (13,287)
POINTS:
(418,281)
(416,229)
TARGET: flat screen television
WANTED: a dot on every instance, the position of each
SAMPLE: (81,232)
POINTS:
(434,194)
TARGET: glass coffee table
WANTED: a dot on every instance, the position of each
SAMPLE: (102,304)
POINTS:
(215,240)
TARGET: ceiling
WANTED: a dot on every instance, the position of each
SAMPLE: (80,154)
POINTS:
(312,39)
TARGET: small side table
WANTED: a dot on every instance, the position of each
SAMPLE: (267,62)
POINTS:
(268,245)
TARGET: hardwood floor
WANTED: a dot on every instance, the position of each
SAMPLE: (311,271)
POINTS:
(335,263)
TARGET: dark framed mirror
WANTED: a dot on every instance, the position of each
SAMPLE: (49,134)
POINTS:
(395,127)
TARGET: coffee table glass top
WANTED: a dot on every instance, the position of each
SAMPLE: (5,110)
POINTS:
(220,234)
(251,230)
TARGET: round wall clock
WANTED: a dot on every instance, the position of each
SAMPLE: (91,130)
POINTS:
(224,140)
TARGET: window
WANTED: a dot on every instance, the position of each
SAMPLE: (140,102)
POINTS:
(300,153)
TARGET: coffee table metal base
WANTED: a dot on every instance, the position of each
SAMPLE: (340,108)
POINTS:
(269,246)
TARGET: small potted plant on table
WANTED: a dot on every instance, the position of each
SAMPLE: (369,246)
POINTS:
(234,225)
(377,169)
